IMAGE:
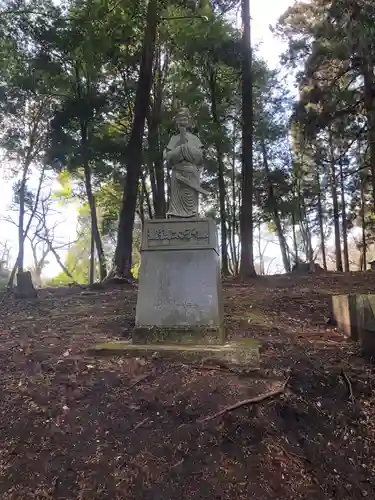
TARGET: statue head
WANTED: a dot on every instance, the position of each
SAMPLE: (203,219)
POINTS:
(183,118)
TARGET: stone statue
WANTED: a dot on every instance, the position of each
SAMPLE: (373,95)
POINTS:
(184,154)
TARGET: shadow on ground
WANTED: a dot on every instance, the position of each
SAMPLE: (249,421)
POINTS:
(73,426)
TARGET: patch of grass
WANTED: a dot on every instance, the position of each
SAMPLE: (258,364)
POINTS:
(247,342)
(253,317)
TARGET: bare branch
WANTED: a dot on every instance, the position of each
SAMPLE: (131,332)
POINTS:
(57,257)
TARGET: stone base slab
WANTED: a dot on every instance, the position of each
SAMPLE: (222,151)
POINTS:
(243,353)
(184,336)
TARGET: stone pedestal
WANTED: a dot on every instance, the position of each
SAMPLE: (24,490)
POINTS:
(366,323)
(179,295)
(179,311)
(344,314)
(355,314)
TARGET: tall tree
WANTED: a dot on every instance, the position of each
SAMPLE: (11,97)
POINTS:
(247,268)
(123,253)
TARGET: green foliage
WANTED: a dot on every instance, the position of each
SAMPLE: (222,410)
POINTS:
(75,66)
(334,117)
(108,200)
(65,190)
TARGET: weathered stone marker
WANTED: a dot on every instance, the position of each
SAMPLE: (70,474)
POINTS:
(366,323)
(355,314)
(179,309)
(179,295)
(344,314)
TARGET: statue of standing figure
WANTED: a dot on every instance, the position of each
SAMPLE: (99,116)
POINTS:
(184,155)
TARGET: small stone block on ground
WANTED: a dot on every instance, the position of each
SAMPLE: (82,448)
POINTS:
(344,314)
(366,323)
(243,353)
(355,315)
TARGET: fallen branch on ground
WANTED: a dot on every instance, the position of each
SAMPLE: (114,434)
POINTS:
(141,423)
(294,457)
(219,368)
(178,463)
(252,373)
(297,459)
(349,385)
(140,379)
(256,399)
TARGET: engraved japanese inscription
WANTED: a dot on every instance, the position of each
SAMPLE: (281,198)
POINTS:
(177,234)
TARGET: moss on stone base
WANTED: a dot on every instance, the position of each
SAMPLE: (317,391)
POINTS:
(242,353)
(185,336)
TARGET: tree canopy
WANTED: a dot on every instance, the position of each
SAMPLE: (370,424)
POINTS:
(89,90)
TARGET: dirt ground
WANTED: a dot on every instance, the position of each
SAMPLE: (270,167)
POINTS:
(78,427)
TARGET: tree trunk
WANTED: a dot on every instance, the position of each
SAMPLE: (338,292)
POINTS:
(363,224)
(123,252)
(237,236)
(304,226)
(57,257)
(261,256)
(305,229)
(146,196)
(38,276)
(336,219)
(92,258)
(156,153)
(221,180)
(91,201)
(21,219)
(247,268)
(321,221)
(344,222)
(25,288)
(295,245)
(28,225)
(38,263)
(369,103)
(151,172)
(275,212)
(234,207)
(231,258)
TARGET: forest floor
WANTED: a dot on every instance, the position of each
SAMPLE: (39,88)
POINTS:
(78,427)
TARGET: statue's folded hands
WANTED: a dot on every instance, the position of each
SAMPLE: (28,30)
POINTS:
(175,155)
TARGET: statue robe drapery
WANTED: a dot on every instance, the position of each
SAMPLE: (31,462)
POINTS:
(184,155)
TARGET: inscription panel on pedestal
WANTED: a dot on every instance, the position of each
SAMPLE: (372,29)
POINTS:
(177,234)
